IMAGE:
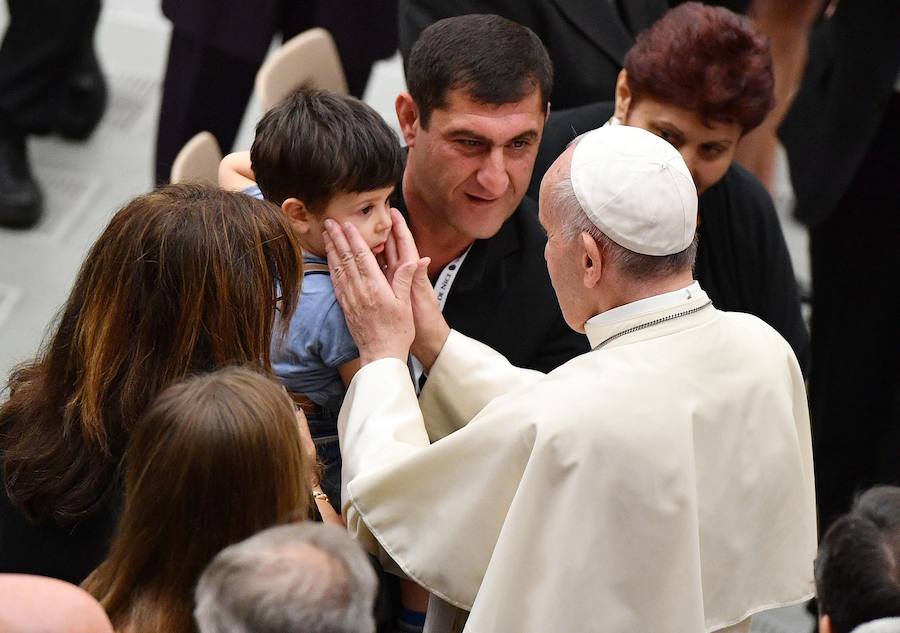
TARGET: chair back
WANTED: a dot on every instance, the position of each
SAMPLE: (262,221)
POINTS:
(198,161)
(309,58)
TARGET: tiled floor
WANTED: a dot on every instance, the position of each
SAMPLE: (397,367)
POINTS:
(85,183)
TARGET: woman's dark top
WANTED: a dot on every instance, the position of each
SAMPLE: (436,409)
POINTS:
(69,553)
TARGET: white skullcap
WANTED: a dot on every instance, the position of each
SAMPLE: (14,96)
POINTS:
(635,187)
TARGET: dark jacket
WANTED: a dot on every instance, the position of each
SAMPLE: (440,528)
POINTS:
(854,58)
(69,552)
(586,39)
(742,259)
(245,29)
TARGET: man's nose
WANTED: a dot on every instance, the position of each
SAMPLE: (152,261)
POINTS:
(492,176)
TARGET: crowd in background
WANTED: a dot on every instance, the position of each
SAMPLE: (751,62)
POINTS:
(171,446)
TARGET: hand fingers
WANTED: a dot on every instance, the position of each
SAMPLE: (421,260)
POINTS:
(390,252)
(406,246)
(340,257)
(366,265)
(403,281)
(421,276)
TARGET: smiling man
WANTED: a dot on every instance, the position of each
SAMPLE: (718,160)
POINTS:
(472,121)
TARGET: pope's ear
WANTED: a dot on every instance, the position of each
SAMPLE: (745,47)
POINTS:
(623,96)
(591,260)
(297,214)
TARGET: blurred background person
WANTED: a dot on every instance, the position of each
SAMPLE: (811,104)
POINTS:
(160,296)
(217,47)
(215,459)
(50,82)
(856,567)
(300,578)
(842,137)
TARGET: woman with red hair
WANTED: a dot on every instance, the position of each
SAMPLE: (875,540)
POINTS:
(701,78)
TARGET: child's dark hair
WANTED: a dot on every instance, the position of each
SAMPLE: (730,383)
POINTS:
(315,144)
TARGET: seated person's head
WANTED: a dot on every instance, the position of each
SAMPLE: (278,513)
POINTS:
(309,578)
(700,77)
(321,155)
(29,604)
(858,565)
(215,459)
(184,279)
(479,89)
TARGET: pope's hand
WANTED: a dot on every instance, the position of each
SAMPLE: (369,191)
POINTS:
(378,312)
(431,327)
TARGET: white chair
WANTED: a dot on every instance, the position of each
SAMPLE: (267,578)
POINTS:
(198,161)
(310,58)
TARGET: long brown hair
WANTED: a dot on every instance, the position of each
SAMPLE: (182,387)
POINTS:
(215,459)
(183,280)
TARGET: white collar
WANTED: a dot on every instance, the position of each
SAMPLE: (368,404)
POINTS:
(599,326)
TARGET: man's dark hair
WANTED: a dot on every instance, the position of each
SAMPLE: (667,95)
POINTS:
(858,565)
(494,60)
(315,144)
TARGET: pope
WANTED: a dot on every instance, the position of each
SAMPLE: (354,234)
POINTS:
(660,482)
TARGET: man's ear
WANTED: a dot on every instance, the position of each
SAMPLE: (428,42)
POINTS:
(591,261)
(297,214)
(623,96)
(408,117)
(825,624)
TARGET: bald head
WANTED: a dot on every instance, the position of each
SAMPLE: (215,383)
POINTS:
(34,604)
(303,577)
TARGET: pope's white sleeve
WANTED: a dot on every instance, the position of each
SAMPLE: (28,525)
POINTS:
(379,423)
(466,376)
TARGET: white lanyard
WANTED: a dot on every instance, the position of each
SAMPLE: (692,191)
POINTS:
(442,287)
(445,280)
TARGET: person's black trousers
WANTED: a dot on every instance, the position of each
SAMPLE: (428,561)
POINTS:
(208,89)
(855,375)
(45,43)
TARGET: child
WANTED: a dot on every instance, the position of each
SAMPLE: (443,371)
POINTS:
(320,155)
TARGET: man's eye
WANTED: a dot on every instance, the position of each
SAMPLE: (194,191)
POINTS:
(470,143)
(519,144)
(713,151)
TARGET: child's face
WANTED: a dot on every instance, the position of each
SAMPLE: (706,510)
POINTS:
(369,211)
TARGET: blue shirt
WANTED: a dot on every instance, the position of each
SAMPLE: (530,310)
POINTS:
(317,342)
(306,359)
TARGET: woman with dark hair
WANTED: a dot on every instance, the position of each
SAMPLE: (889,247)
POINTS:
(701,78)
(214,460)
(184,280)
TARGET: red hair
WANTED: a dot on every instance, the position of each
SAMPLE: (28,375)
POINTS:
(707,60)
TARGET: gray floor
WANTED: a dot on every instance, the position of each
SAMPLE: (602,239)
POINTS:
(85,183)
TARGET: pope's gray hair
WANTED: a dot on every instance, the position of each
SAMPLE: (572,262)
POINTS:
(299,578)
(574,221)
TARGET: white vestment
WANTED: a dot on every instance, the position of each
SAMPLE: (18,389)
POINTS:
(662,483)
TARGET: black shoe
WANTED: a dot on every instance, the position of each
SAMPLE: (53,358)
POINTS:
(84,100)
(21,201)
